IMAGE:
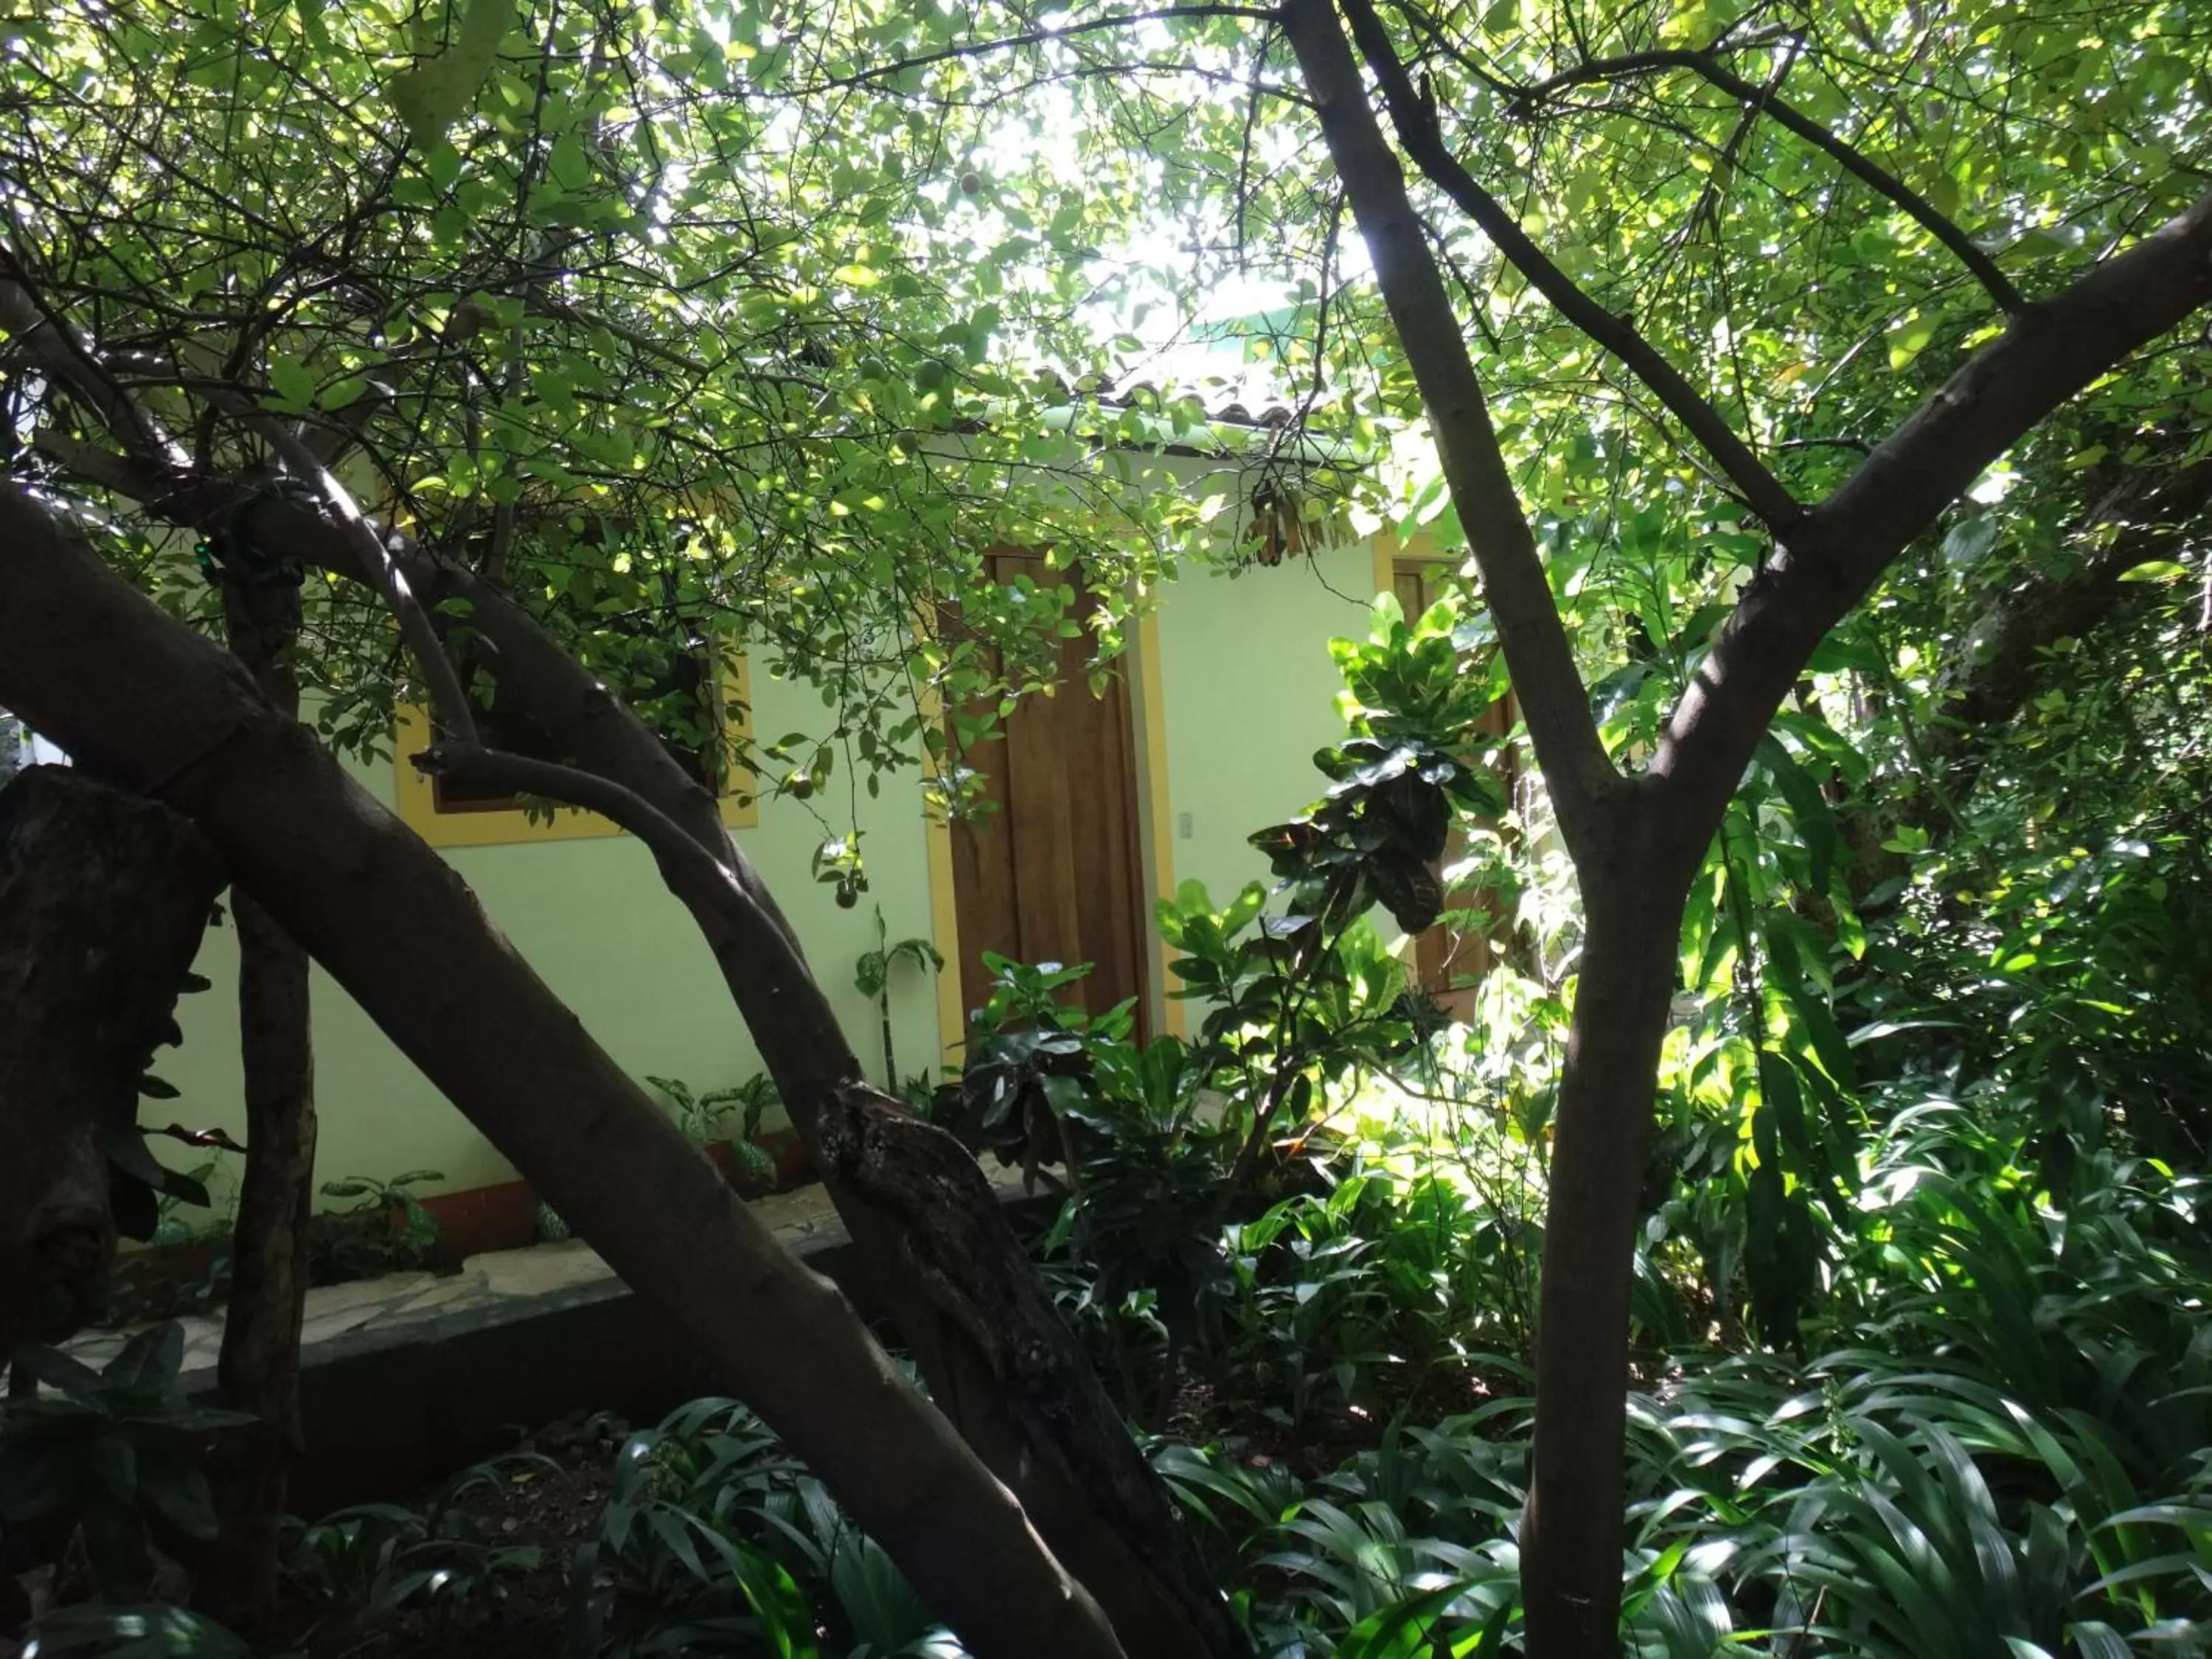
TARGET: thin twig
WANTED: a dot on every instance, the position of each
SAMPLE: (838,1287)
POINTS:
(449,703)
(1034,38)
(1852,159)
(1420,132)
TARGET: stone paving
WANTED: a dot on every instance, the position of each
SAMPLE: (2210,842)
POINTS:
(498,1285)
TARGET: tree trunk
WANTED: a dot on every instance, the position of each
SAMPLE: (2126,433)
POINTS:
(89,660)
(1652,829)
(998,1357)
(1571,1531)
(1025,1397)
(103,898)
(1008,1371)
(259,1369)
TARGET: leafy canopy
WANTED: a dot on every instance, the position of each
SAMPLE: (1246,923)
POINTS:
(584,296)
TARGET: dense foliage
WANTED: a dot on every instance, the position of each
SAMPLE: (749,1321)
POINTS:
(1984,1431)
(706,329)
(577,296)
(1992,1444)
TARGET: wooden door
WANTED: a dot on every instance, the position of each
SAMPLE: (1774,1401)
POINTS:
(1449,960)
(1052,872)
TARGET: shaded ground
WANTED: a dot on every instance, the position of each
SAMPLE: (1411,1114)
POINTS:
(546,1497)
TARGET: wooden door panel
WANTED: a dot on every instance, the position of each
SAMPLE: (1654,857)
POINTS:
(1054,873)
(1042,750)
(983,880)
(1106,873)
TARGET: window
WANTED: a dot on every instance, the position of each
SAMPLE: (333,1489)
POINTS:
(714,741)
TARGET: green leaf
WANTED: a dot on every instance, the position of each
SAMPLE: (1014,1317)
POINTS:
(155,1355)
(431,95)
(127,1150)
(294,383)
(1809,811)
(135,1632)
(673,1530)
(180,1494)
(441,164)
(870,973)
(1401,1631)
(1909,339)
(1970,540)
(918,951)
(310,15)
(2094,1639)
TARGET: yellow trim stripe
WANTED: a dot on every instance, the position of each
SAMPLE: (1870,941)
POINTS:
(944,931)
(1159,808)
(417,801)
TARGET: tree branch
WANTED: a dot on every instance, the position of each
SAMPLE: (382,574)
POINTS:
(51,342)
(1035,38)
(550,686)
(1982,686)
(1537,653)
(706,886)
(168,713)
(2049,353)
(48,340)
(449,701)
(1848,156)
(1422,134)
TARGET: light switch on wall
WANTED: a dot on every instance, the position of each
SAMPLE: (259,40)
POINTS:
(1182,826)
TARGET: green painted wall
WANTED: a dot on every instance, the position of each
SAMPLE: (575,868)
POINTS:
(1247,694)
(592,917)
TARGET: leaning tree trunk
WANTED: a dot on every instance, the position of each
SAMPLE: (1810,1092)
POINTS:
(259,1369)
(1022,1395)
(90,659)
(103,899)
(998,1357)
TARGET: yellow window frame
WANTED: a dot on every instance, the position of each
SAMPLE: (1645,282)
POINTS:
(509,826)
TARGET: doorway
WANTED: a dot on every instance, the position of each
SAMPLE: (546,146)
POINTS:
(1053,870)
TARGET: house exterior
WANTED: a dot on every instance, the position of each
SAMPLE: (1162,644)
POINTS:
(1206,734)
